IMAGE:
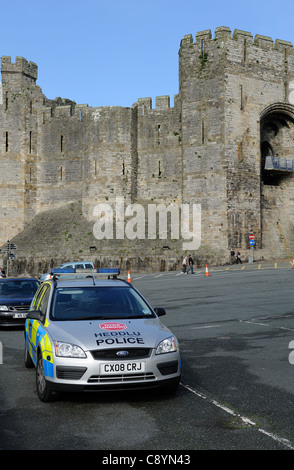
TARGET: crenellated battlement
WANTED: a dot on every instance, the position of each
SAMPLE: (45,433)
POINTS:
(224,34)
(20,65)
(162,103)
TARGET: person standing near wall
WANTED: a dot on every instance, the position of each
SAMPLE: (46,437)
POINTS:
(184,265)
(191,263)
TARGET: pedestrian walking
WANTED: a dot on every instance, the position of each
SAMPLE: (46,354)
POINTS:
(190,263)
(232,254)
(238,258)
(184,266)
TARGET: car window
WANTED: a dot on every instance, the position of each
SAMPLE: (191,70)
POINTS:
(38,296)
(44,297)
(19,287)
(88,266)
(78,303)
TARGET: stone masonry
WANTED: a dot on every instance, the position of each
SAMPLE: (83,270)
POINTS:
(234,108)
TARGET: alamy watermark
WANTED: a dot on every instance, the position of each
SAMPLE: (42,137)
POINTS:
(133,221)
(291,355)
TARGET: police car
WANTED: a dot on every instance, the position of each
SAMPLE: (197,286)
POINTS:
(93,331)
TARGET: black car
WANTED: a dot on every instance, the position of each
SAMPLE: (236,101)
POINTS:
(16,295)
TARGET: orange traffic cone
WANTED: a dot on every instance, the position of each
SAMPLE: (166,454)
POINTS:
(129,276)
(206,271)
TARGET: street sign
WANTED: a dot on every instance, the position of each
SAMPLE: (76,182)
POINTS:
(252,242)
(9,252)
(251,236)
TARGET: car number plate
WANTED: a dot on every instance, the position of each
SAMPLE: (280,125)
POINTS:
(112,368)
(19,315)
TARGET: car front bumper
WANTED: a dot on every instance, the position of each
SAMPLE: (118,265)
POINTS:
(85,375)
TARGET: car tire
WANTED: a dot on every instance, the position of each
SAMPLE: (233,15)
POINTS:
(172,388)
(27,358)
(43,390)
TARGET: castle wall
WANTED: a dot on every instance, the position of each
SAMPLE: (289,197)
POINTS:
(159,151)
(236,98)
(258,74)
(229,81)
(61,147)
(18,132)
(204,167)
(110,161)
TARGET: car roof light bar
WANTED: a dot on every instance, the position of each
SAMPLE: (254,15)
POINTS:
(83,273)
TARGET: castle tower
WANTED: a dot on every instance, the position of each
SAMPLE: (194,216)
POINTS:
(227,84)
(18,75)
(19,103)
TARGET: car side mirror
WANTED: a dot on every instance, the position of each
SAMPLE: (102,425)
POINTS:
(35,315)
(159,311)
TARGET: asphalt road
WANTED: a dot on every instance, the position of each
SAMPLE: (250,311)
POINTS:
(237,387)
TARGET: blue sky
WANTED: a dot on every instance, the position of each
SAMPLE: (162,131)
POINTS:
(110,53)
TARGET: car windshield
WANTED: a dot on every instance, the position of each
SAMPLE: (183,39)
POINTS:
(18,287)
(88,303)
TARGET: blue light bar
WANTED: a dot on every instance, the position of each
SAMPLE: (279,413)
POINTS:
(113,271)
(109,271)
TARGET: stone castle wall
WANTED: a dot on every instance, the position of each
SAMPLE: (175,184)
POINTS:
(235,104)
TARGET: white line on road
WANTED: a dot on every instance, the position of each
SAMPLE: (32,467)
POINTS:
(206,326)
(266,324)
(245,420)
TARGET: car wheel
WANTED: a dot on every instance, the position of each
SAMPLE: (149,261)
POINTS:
(171,388)
(43,390)
(27,358)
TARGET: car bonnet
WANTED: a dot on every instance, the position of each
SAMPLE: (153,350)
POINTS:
(104,334)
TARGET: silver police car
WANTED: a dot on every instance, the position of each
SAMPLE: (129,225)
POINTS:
(96,333)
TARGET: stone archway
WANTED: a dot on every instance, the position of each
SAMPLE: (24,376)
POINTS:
(277,179)
(276,139)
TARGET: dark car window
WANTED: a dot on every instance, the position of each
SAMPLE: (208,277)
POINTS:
(78,303)
(44,300)
(18,287)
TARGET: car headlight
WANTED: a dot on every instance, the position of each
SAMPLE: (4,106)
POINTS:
(166,346)
(68,350)
(4,308)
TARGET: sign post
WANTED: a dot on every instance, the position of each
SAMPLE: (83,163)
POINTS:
(252,243)
(10,255)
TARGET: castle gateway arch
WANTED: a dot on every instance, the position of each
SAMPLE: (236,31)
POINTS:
(277,178)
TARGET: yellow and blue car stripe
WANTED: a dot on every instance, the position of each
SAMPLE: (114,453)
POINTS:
(37,336)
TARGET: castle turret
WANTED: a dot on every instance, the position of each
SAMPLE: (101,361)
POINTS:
(19,74)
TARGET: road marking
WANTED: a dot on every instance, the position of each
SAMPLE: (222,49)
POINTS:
(202,327)
(266,324)
(244,419)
